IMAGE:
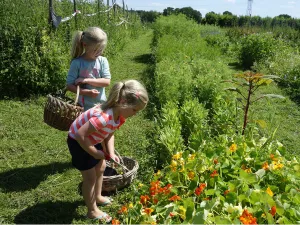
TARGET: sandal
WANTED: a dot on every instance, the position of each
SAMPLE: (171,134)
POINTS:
(107,202)
(103,218)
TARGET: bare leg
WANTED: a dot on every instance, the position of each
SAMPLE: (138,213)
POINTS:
(88,192)
(100,167)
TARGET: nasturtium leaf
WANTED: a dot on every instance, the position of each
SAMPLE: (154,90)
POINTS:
(210,192)
(189,206)
(260,173)
(248,178)
(200,216)
(222,220)
(231,197)
(193,185)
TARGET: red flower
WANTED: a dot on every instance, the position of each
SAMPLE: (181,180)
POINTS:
(174,198)
(273,210)
(226,192)
(247,218)
(215,161)
(144,199)
(214,174)
(199,189)
(115,222)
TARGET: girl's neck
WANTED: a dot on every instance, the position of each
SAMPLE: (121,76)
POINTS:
(116,114)
(85,57)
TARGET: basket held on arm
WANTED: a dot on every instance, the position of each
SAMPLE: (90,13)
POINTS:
(59,112)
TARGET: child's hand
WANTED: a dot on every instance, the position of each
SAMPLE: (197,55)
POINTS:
(79,81)
(115,158)
(93,93)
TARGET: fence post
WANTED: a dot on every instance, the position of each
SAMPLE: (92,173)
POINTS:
(74,2)
(114,7)
(123,8)
(50,16)
(108,11)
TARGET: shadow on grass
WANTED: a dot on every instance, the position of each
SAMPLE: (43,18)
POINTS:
(145,58)
(49,213)
(22,179)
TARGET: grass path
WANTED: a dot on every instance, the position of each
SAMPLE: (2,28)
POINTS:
(37,181)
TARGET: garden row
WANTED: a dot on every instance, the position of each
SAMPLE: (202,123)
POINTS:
(35,57)
(210,172)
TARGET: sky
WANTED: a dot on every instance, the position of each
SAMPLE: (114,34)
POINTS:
(262,8)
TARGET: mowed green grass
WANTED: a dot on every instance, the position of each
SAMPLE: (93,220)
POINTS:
(37,181)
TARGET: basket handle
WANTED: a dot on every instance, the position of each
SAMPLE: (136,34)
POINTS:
(77,95)
(121,164)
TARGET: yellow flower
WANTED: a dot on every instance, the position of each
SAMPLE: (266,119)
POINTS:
(130,205)
(191,157)
(177,156)
(140,185)
(233,148)
(191,175)
(248,170)
(182,212)
(269,191)
(276,165)
(158,173)
(173,163)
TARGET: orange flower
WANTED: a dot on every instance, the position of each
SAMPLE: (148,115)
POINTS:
(273,210)
(123,209)
(155,201)
(148,211)
(215,161)
(199,189)
(144,199)
(115,222)
(226,192)
(214,174)
(265,166)
(247,218)
(174,198)
(206,199)
(172,214)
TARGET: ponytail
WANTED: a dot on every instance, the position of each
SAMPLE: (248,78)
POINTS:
(77,47)
(126,94)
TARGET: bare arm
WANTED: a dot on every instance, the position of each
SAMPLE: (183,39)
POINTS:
(110,145)
(87,92)
(99,82)
(82,138)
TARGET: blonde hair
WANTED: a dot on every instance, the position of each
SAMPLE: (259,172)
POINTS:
(125,94)
(91,36)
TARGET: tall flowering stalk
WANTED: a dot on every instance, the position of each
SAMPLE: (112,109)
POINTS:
(247,84)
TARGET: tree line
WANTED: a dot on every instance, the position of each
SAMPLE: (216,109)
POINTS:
(226,19)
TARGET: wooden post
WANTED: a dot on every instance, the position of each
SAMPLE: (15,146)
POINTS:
(108,11)
(50,16)
(114,7)
(74,2)
(123,8)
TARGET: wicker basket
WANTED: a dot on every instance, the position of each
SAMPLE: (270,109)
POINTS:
(119,181)
(59,112)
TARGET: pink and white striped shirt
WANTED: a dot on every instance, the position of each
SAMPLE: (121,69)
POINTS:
(103,121)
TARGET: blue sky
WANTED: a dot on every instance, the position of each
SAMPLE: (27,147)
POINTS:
(261,8)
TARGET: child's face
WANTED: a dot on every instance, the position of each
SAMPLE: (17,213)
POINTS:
(131,111)
(92,52)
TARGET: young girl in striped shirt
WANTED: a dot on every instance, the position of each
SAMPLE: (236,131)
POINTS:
(92,134)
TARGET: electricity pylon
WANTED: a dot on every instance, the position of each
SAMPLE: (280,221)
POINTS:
(249,8)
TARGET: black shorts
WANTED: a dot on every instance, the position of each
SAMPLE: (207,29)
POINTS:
(82,160)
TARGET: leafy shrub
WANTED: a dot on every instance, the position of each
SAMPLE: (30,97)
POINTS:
(256,48)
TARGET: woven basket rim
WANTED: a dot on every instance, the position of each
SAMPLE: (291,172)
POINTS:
(126,175)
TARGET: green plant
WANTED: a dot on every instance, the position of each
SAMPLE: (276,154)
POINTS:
(247,84)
